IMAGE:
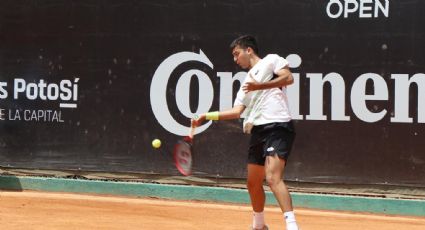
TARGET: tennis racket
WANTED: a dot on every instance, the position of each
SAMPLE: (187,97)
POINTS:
(183,153)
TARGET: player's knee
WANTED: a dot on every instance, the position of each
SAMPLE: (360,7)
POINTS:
(251,183)
(254,184)
(270,181)
(273,180)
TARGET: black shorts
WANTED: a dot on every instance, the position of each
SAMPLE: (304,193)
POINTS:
(271,139)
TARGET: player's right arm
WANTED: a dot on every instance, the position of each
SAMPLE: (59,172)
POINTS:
(233,113)
(284,78)
(280,68)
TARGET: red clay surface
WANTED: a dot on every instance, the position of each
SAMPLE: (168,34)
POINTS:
(36,210)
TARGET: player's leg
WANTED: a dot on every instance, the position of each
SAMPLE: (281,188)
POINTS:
(255,187)
(256,175)
(274,168)
(277,148)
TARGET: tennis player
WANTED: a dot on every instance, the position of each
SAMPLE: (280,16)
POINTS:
(263,102)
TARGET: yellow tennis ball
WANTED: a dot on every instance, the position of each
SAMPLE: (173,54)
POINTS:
(156,143)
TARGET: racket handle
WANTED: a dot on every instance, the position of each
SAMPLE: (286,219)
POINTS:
(192,127)
(191,132)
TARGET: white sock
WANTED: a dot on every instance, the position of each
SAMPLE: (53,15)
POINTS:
(258,220)
(291,223)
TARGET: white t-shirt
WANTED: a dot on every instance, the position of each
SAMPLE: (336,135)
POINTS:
(269,105)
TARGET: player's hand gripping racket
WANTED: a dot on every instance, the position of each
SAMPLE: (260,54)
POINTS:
(183,153)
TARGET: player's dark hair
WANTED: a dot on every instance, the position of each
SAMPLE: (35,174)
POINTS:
(244,42)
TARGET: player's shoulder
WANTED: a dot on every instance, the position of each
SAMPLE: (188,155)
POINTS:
(272,57)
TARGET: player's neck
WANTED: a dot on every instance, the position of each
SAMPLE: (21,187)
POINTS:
(253,61)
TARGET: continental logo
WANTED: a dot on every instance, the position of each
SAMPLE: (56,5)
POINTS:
(348,99)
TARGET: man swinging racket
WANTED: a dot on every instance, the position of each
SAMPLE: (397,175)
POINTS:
(263,99)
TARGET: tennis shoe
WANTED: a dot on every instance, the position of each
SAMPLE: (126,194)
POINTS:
(264,228)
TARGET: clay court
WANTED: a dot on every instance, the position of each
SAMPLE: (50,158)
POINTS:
(37,210)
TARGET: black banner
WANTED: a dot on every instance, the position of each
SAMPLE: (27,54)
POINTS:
(87,85)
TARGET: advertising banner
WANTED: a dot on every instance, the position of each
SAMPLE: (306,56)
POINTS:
(87,85)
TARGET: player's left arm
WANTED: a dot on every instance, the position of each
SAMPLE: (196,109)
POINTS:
(284,78)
